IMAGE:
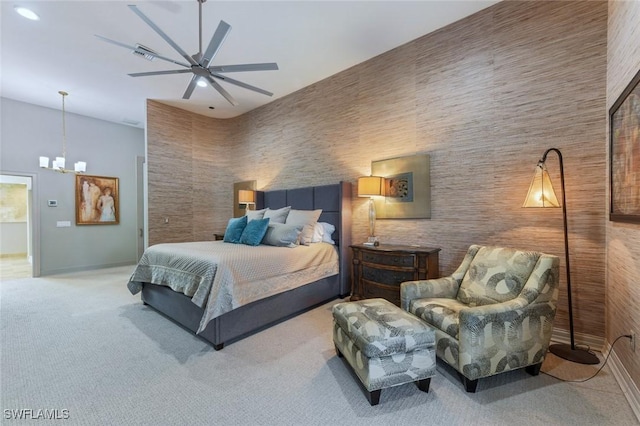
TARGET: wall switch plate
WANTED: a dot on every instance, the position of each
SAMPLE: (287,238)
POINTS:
(52,203)
(63,224)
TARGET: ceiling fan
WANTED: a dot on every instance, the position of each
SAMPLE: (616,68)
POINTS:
(198,64)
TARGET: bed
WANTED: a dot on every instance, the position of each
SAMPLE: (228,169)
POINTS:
(335,202)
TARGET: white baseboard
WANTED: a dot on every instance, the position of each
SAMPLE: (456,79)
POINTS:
(593,342)
(623,378)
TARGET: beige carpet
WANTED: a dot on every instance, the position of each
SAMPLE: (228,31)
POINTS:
(81,344)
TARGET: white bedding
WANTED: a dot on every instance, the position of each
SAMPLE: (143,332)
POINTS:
(220,277)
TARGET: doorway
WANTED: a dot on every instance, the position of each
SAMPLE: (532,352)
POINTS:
(18,257)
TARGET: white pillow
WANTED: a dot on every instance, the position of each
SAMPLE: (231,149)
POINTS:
(307,219)
(277,216)
(318,233)
(329,229)
(255,214)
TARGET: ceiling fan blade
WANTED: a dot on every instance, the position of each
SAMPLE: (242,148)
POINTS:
(161,33)
(144,74)
(216,41)
(272,66)
(223,92)
(140,51)
(190,87)
(241,84)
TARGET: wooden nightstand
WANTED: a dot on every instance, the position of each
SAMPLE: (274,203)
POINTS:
(378,271)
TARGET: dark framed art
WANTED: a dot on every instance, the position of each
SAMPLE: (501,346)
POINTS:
(624,154)
(97,200)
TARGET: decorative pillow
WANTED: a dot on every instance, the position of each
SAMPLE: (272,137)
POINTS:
(254,232)
(281,235)
(234,229)
(277,216)
(307,220)
(255,214)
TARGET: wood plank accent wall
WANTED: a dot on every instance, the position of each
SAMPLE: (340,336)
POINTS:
(484,96)
(189,178)
(623,240)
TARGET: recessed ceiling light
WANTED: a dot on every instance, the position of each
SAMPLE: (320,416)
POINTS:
(202,83)
(27,13)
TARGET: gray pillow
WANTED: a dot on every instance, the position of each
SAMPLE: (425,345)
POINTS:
(277,216)
(306,220)
(281,235)
(255,214)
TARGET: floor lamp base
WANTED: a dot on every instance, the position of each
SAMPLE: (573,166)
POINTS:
(576,355)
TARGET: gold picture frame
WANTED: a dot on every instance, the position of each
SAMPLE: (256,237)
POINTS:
(407,187)
(97,200)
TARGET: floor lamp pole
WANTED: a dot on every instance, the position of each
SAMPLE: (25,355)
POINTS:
(568,352)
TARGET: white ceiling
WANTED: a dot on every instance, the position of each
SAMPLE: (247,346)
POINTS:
(310,40)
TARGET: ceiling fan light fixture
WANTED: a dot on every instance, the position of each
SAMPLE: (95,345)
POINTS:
(202,83)
(27,13)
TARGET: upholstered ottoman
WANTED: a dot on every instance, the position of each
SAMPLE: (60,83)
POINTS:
(384,345)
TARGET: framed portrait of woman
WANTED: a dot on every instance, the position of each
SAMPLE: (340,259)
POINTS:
(97,200)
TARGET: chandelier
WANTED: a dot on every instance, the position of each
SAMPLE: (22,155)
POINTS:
(58,164)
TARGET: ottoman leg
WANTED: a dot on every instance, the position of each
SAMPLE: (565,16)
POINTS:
(374,397)
(423,384)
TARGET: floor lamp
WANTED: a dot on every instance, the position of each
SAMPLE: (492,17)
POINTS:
(541,194)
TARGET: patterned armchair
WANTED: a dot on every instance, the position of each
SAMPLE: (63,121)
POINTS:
(494,313)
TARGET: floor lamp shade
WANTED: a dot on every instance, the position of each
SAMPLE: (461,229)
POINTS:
(371,186)
(541,194)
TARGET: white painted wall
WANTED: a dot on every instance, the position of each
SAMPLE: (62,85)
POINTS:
(28,131)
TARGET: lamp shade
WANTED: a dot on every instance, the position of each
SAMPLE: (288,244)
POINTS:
(246,196)
(369,186)
(541,193)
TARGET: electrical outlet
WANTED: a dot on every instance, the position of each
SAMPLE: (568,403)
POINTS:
(632,341)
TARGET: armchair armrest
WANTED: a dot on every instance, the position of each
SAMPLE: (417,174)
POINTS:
(530,324)
(446,287)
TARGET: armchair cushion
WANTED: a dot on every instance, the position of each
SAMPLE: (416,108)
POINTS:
(496,275)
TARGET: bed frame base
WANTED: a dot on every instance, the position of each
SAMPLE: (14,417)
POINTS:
(243,321)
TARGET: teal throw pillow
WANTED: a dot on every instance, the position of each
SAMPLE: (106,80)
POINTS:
(254,232)
(234,230)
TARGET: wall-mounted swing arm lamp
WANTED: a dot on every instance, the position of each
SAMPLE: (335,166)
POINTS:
(541,194)
(246,197)
(371,186)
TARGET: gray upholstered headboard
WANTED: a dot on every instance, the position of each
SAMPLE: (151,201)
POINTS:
(335,202)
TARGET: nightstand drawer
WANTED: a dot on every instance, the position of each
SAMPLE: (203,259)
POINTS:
(373,290)
(390,259)
(378,271)
(386,276)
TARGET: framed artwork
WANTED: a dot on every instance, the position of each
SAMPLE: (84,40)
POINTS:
(97,200)
(407,193)
(624,154)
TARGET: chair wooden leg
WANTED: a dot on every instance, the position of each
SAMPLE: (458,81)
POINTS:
(374,397)
(534,369)
(423,384)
